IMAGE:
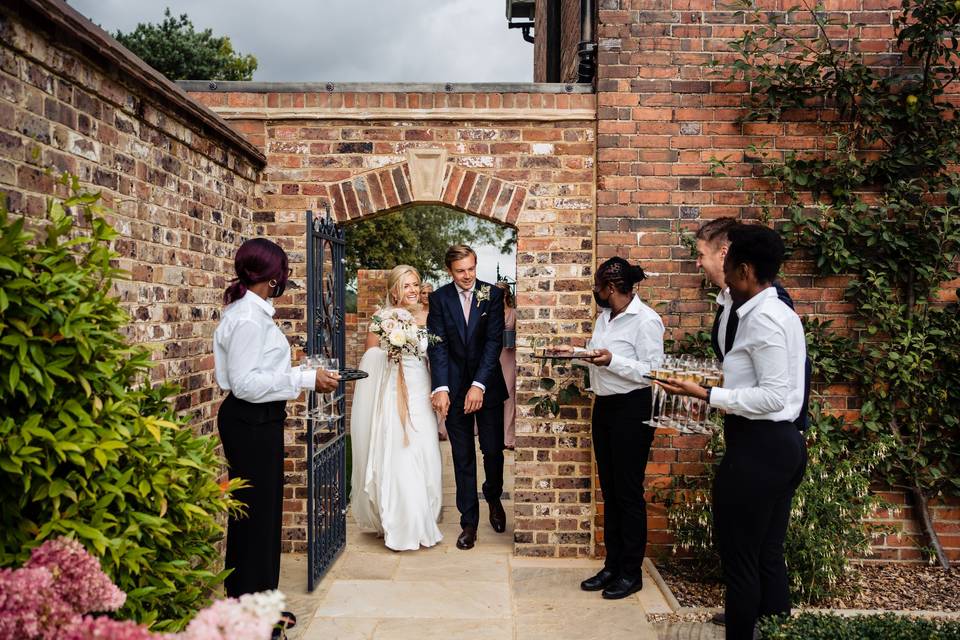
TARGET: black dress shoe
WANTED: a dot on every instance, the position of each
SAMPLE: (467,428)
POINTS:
(498,517)
(719,618)
(467,538)
(600,581)
(622,587)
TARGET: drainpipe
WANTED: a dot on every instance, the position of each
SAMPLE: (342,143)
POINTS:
(587,49)
(553,40)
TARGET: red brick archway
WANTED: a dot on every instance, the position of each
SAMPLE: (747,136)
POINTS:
(389,188)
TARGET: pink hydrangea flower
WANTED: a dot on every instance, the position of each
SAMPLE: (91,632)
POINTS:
(103,628)
(30,606)
(78,578)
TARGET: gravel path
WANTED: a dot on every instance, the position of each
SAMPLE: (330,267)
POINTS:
(873,586)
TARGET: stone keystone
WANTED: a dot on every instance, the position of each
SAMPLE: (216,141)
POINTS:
(427,168)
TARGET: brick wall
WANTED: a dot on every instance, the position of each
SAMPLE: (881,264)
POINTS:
(661,117)
(180,182)
(524,158)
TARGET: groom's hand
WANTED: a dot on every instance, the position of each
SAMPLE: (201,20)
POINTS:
(474,400)
(441,403)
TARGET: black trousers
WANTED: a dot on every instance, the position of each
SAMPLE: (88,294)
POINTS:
(252,437)
(489,422)
(760,471)
(621,443)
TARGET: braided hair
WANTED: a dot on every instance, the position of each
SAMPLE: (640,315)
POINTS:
(621,274)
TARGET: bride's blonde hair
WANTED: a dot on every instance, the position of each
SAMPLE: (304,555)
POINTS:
(395,283)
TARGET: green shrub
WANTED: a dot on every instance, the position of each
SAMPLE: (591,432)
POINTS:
(88,449)
(815,626)
(828,523)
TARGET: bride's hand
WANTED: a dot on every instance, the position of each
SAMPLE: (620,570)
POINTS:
(441,403)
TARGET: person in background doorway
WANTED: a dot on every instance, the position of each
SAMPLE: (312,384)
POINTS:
(508,362)
(425,290)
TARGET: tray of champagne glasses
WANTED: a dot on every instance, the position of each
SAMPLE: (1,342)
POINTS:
(683,413)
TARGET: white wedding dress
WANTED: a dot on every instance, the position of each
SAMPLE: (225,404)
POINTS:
(396,489)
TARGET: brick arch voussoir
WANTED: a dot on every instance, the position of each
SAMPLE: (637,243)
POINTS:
(389,188)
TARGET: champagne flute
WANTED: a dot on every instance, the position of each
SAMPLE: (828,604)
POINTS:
(333,366)
(655,391)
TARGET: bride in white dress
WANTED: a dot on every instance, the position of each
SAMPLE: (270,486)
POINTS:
(396,486)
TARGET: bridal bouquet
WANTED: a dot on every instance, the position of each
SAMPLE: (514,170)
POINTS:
(400,336)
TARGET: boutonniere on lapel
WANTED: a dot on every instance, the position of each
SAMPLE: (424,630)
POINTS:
(483,293)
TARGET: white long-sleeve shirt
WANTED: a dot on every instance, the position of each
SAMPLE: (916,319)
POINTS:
(763,373)
(635,340)
(252,357)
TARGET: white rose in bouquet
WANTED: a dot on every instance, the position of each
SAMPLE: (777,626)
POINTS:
(413,333)
(398,337)
(388,324)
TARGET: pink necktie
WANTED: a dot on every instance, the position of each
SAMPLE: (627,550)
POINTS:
(466,305)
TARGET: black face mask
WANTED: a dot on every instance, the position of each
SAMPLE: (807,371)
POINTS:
(279,289)
(604,304)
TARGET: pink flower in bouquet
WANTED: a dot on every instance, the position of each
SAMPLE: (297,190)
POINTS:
(30,606)
(78,578)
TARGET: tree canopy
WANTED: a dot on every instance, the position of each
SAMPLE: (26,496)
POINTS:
(180,52)
(418,236)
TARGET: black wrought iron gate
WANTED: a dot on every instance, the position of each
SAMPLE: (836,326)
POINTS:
(326,440)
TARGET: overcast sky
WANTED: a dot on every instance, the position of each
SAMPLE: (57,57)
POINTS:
(349,40)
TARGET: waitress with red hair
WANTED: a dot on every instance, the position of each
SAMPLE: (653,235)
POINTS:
(253,363)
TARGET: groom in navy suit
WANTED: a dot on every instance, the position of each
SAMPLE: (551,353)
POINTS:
(468,385)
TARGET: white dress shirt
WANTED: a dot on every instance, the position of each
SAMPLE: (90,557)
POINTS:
(635,339)
(252,357)
(763,372)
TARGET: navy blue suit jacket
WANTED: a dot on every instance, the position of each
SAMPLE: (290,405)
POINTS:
(467,352)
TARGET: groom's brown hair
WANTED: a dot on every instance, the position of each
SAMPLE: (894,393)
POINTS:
(458,252)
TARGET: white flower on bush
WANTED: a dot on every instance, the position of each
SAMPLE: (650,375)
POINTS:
(249,617)
(398,337)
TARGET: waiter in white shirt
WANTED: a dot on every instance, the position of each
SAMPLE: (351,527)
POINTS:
(765,454)
(252,362)
(627,339)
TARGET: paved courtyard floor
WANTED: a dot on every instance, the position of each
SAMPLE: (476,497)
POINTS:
(443,592)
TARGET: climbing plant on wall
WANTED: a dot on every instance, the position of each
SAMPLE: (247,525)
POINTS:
(879,205)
